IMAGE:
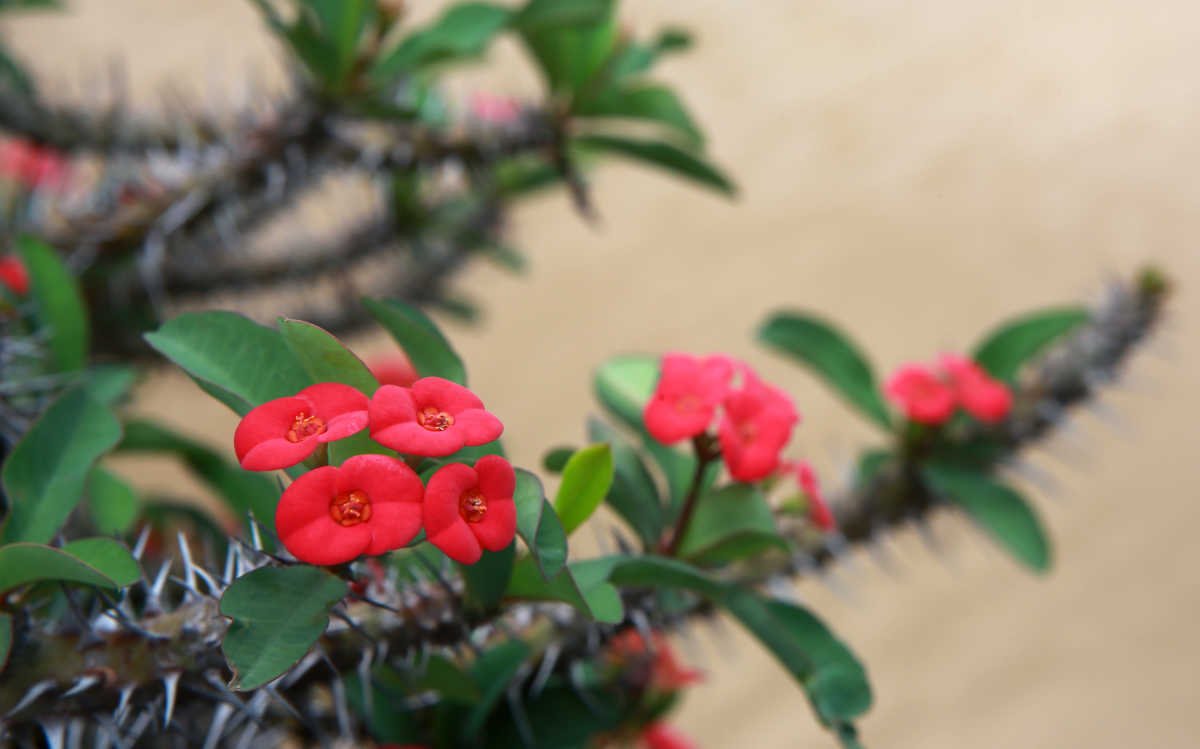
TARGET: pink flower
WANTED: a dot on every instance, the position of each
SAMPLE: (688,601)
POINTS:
(494,110)
(470,509)
(687,396)
(435,417)
(922,396)
(368,505)
(986,399)
(661,736)
(283,432)
(32,165)
(14,275)
(818,508)
(757,424)
(393,369)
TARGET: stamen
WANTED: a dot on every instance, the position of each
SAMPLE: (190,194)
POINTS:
(350,509)
(305,426)
(434,419)
(472,505)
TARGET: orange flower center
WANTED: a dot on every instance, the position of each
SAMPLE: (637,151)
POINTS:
(434,419)
(689,403)
(305,426)
(350,509)
(472,505)
(747,431)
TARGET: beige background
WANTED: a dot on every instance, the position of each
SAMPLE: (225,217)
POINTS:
(917,171)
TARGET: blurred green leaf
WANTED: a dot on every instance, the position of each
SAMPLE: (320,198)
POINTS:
(591,594)
(999,510)
(45,475)
(573,51)
(15,74)
(831,354)
(465,30)
(492,671)
(556,458)
(448,680)
(731,523)
(635,58)
(651,103)
(108,383)
(633,494)
(487,579)
(234,359)
(539,525)
(585,482)
(91,561)
(5,639)
(58,302)
(426,347)
(324,357)
(538,15)
(1004,350)
(342,23)
(278,614)
(112,502)
(663,155)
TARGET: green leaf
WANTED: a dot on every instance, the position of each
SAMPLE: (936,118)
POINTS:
(46,472)
(556,458)
(425,346)
(108,383)
(278,614)
(342,23)
(538,524)
(463,31)
(92,561)
(999,510)
(643,102)
(545,14)
(236,360)
(635,58)
(58,302)
(828,352)
(487,579)
(324,357)
(1005,349)
(244,491)
(731,523)
(633,494)
(588,591)
(663,155)
(493,671)
(448,680)
(585,482)
(572,42)
(113,503)
(5,639)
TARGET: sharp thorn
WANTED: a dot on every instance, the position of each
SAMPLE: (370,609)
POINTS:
(123,704)
(519,715)
(368,692)
(154,598)
(220,718)
(642,625)
(140,724)
(232,555)
(255,534)
(545,669)
(55,732)
(575,679)
(338,688)
(82,684)
(37,690)
(139,547)
(185,553)
(170,690)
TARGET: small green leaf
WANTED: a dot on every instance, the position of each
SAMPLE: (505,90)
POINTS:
(278,614)
(538,15)
(831,354)
(585,482)
(556,458)
(324,357)
(1004,350)
(588,591)
(538,524)
(999,510)
(651,103)
(45,475)
(59,303)
(5,639)
(487,579)
(633,494)
(342,23)
(635,57)
(730,523)
(236,360)
(113,503)
(663,155)
(493,671)
(448,680)
(92,561)
(426,347)
(463,31)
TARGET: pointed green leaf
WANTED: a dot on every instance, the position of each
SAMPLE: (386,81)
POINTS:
(585,482)
(556,458)
(324,357)
(425,346)
(465,30)
(487,579)
(45,475)
(448,680)
(537,15)
(1005,349)
(633,494)
(662,155)
(831,354)
(731,523)
(236,360)
(112,502)
(637,57)
(108,383)
(571,40)
(651,103)
(590,593)
(58,302)
(278,614)
(92,561)
(493,671)
(539,525)
(999,510)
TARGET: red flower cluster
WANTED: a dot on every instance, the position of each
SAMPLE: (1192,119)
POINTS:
(14,275)
(818,509)
(32,165)
(929,397)
(662,736)
(757,420)
(374,503)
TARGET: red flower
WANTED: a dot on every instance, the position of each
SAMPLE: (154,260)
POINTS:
(470,509)
(667,674)
(818,508)
(32,165)
(986,399)
(13,275)
(393,369)
(435,417)
(758,422)
(923,396)
(368,505)
(494,110)
(687,396)
(285,431)
(661,736)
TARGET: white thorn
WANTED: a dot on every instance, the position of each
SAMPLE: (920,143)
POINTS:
(368,691)
(339,703)
(220,718)
(170,689)
(55,732)
(140,546)
(83,684)
(123,703)
(545,669)
(185,553)
(154,598)
(37,690)
(255,535)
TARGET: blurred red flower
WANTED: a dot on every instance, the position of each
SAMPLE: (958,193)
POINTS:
(687,395)
(283,432)
(435,417)
(666,673)
(662,736)
(922,395)
(818,509)
(757,424)
(986,399)
(393,369)
(368,505)
(32,165)
(469,509)
(14,275)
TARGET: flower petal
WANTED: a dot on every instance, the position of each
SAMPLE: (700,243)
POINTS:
(477,427)
(442,495)
(278,453)
(446,395)
(344,425)
(271,420)
(389,406)
(333,398)
(458,543)
(498,527)
(393,524)
(305,526)
(497,480)
(413,439)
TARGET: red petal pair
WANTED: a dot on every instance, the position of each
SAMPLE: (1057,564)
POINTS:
(283,432)
(369,505)
(687,396)
(930,398)
(758,423)
(986,399)
(922,396)
(434,417)
(467,509)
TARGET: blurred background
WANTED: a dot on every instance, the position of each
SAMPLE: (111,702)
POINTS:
(916,171)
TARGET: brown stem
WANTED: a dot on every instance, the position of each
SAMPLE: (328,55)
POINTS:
(706,452)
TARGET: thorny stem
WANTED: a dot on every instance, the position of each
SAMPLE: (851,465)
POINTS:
(707,451)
